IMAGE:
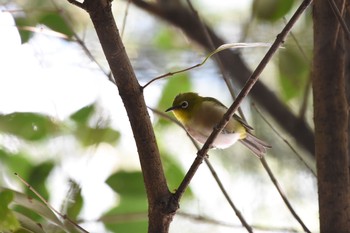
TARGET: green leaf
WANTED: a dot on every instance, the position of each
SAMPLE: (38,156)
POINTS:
(33,205)
(179,83)
(271,10)
(17,162)
(25,34)
(134,226)
(164,39)
(27,125)
(83,115)
(294,71)
(8,220)
(127,183)
(129,216)
(56,23)
(76,203)
(173,172)
(38,176)
(92,136)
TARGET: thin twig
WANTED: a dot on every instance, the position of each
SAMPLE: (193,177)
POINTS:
(246,89)
(220,223)
(63,216)
(124,18)
(284,140)
(171,74)
(340,18)
(223,190)
(217,50)
(79,40)
(284,198)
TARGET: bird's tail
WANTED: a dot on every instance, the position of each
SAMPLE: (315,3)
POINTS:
(256,145)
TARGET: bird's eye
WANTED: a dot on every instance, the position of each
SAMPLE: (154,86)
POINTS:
(184,104)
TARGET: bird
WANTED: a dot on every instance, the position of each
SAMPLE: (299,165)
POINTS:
(200,115)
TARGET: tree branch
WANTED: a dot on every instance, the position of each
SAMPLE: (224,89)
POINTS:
(244,92)
(235,66)
(159,211)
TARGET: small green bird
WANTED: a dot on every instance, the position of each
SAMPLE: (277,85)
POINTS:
(199,115)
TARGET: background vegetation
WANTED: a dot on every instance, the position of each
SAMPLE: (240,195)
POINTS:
(65,131)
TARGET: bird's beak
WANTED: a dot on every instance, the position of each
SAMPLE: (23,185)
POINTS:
(172,108)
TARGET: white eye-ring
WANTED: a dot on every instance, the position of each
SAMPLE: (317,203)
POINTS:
(184,104)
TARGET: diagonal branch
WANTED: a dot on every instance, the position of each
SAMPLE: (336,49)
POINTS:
(244,92)
(235,66)
(283,196)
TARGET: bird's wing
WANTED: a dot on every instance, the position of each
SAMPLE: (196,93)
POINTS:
(235,116)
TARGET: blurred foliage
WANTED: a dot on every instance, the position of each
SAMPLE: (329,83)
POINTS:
(133,200)
(34,129)
(271,10)
(179,83)
(129,184)
(76,202)
(27,125)
(294,72)
(56,22)
(8,220)
(84,125)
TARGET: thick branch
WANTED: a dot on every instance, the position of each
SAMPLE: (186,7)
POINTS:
(160,215)
(233,64)
(331,120)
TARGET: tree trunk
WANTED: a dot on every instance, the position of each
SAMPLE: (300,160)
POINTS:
(331,120)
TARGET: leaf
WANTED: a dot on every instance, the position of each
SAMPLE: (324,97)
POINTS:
(175,85)
(293,71)
(38,176)
(129,216)
(133,226)
(25,34)
(17,162)
(8,220)
(173,172)
(27,125)
(76,201)
(164,39)
(29,225)
(34,205)
(127,183)
(56,23)
(92,136)
(83,115)
(271,10)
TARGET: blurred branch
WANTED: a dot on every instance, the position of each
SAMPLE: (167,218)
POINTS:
(283,196)
(213,221)
(78,39)
(340,18)
(284,140)
(235,66)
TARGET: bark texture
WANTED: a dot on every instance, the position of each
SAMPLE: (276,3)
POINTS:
(159,211)
(331,120)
